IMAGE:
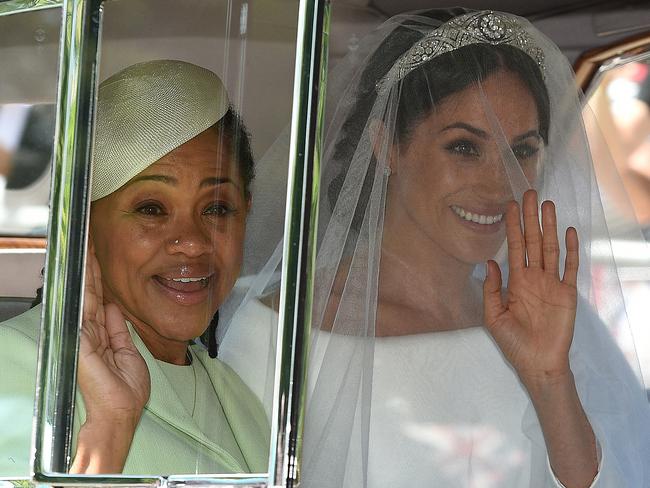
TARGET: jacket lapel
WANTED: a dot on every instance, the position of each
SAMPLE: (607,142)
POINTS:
(243,410)
(165,404)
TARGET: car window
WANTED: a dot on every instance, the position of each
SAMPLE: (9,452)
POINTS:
(26,135)
(619,99)
(230,142)
(29,45)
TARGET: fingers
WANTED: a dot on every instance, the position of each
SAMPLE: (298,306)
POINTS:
(492,303)
(540,247)
(118,333)
(550,245)
(492,283)
(516,247)
(98,287)
(93,294)
(532,232)
(572,258)
(96,271)
(90,297)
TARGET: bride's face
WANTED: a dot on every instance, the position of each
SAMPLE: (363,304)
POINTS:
(452,177)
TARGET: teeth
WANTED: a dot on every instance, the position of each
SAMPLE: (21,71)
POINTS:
(477,218)
(188,280)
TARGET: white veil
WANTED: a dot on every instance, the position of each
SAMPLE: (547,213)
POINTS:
(248,320)
(398,398)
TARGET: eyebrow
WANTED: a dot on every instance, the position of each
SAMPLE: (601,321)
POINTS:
(217,180)
(469,128)
(484,135)
(530,133)
(170,180)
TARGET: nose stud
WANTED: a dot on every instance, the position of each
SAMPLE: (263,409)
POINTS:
(177,241)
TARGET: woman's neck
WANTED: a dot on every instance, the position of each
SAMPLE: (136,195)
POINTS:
(421,286)
(161,348)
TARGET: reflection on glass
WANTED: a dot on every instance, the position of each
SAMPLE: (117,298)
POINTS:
(28,56)
(252,49)
(26,133)
(176,360)
(620,102)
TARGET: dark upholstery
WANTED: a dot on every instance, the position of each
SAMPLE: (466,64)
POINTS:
(10,307)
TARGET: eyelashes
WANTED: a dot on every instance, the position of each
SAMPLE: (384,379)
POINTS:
(525,151)
(219,209)
(463,147)
(150,209)
(156,209)
(468,149)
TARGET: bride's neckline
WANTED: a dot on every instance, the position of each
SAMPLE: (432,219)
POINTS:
(394,318)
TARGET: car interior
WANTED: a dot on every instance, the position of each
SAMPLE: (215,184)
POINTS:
(252,46)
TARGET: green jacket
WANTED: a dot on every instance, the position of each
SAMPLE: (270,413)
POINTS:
(167,439)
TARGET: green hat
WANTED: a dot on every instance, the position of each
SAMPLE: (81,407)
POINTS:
(147,110)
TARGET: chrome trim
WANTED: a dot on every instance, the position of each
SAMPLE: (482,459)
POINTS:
(299,244)
(65,257)
(232,481)
(590,64)
(64,262)
(21,6)
(61,480)
(640,55)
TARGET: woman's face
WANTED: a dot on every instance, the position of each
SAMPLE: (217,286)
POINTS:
(452,179)
(170,241)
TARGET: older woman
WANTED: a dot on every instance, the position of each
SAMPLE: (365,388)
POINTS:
(171,173)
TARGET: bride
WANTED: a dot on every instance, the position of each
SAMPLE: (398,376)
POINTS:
(457,340)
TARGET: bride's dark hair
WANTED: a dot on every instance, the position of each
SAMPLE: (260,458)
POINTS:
(425,87)
(454,71)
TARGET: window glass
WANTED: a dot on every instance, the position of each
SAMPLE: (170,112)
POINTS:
(190,158)
(190,155)
(28,47)
(29,44)
(620,102)
(26,132)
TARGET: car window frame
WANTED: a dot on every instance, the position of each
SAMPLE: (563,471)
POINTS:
(67,240)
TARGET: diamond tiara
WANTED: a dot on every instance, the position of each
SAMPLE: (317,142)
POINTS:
(485,27)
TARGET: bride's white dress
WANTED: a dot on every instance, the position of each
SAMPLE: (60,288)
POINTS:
(447,411)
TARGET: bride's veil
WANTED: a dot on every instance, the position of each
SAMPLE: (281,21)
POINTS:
(376,98)
(248,320)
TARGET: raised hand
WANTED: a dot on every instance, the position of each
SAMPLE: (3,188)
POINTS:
(533,325)
(113,379)
(113,376)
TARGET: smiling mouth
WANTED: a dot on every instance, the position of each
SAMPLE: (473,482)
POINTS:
(476,217)
(184,284)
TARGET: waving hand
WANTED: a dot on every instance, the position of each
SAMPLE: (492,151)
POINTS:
(533,325)
(113,378)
